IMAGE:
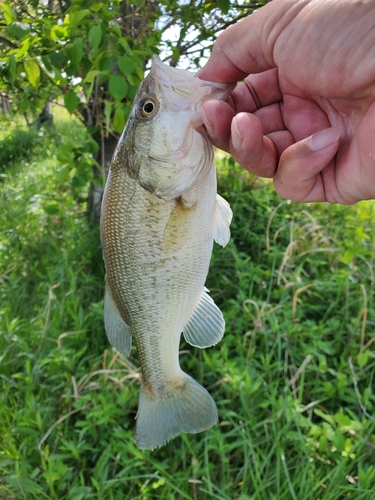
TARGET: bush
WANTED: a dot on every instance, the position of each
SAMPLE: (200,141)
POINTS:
(18,145)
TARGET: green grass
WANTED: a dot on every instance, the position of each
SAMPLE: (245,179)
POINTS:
(293,377)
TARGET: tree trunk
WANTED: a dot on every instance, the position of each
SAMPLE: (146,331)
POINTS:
(45,116)
(107,146)
(131,24)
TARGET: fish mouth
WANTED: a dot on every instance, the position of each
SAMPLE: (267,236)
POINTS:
(183,90)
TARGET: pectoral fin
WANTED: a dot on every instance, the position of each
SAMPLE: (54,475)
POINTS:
(222,219)
(206,325)
(118,332)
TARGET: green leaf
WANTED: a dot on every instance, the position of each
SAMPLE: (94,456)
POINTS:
(126,65)
(106,64)
(96,7)
(90,77)
(118,87)
(224,6)
(19,30)
(25,485)
(327,418)
(59,32)
(24,47)
(78,181)
(12,68)
(76,17)
(9,13)
(52,209)
(95,36)
(71,101)
(134,80)
(119,119)
(57,59)
(116,29)
(123,41)
(75,51)
(32,71)
(63,174)
(363,358)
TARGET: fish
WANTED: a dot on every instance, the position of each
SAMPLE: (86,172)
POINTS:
(159,218)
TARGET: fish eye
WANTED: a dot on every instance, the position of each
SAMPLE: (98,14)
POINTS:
(148,108)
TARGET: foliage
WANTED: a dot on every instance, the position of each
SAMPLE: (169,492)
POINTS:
(293,376)
(90,56)
(93,54)
(77,50)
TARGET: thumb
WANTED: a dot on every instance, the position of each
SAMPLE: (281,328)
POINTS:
(247,46)
(306,170)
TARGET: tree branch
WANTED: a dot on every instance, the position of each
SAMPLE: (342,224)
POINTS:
(8,42)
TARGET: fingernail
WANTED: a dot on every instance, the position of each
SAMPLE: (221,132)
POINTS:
(236,137)
(324,138)
(208,124)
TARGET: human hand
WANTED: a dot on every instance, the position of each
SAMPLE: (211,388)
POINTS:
(306,114)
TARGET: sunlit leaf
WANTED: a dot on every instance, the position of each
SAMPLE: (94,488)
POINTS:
(59,32)
(32,71)
(9,13)
(24,47)
(75,18)
(12,68)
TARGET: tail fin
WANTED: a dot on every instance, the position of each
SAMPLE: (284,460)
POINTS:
(188,408)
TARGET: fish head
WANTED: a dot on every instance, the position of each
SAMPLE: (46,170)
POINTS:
(164,144)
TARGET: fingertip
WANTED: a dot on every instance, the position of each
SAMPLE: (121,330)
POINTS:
(299,174)
(246,125)
(323,139)
(250,148)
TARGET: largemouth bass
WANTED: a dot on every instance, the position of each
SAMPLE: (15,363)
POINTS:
(160,215)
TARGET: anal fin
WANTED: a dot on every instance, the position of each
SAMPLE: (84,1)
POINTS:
(118,332)
(206,325)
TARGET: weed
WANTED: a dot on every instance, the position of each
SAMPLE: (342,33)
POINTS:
(292,378)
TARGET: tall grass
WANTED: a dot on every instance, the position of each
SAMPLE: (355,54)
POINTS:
(292,377)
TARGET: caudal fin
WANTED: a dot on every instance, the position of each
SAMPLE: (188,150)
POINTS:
(188,408)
